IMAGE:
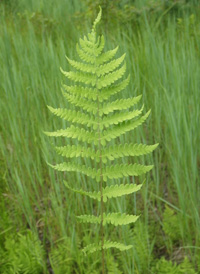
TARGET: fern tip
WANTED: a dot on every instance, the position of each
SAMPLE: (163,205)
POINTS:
(97,20)
(49,107)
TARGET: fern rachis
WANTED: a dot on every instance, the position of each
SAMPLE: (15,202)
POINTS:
(98,120)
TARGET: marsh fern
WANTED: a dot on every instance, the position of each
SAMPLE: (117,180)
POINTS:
(97,120)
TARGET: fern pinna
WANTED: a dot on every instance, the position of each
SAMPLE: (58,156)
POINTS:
(99,120)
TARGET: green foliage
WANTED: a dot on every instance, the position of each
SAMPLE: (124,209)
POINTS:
(38,20)
(61,259)
(163,266)
(112,265)
(171,225)
(110,218)
(22,254)
(99,75)
(186,267)
(132,12)
(142,248)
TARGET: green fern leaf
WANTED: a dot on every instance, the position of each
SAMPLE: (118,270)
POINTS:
(75,133)
(118,130)
(113,172)
(119,105)
(114,152)
(110,153)
(74,116)
(119,219)
(81,66)
(106,56)
(90,172)
(79,91)
(107,244)
(109,67)
(78,151)
(86,105)
(121,247)
(88,79)
(114,89)
(110,78)
(124,170)
(94,195)
(119,190)
(111,218)
(108,192)
(119,118)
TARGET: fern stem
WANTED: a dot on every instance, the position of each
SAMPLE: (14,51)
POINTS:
(101,191)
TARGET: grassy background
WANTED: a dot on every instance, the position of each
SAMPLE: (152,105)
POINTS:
(162,44)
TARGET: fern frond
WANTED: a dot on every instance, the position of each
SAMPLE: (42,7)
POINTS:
(86,105)
(120,117)
(81,66)
(75,133)
(119,104)
(122,128)
(109,67)
(119,219)
(78,151)
(73,116)
(115,191)
(110,218)
(90,172)
(107,244)
(124,170)
(112,191)
(89,219)
(106,56)
(112,172)
(114,152)
(100,76)
(110,78)
(121,247)
(106,93)
(88,79)
(93,195)
(89,93)
(89,106)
